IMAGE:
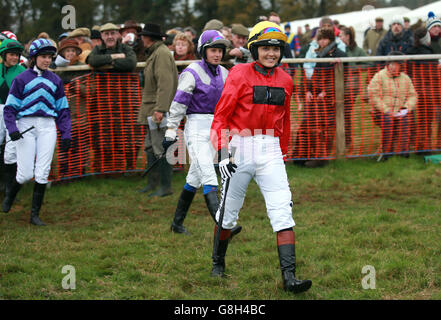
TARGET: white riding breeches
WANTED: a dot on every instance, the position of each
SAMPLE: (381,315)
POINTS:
(10,156)
(3,130)
(200,150)
(260,158)
(36,149)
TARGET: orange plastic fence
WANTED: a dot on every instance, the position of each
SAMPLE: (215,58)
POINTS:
(313,115)
(108,139)
(367,132)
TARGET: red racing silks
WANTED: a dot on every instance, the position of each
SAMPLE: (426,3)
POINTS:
(237,111)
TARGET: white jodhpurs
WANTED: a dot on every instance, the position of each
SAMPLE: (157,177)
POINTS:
(10,156)
(36,149)
(200,150)
(260,158)
(3,130)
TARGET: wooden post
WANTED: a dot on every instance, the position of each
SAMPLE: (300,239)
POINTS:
(340,143)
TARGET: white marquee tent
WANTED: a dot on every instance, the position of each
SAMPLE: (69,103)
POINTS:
(421,13)
(361,20)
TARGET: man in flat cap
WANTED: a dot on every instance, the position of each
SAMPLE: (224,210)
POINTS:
(121,57)
(406,28)
(239,37)
(112,52)
(82,37)
(406,23)
(373,37)
(213,24)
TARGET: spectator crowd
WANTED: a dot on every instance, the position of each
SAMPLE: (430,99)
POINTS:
(251,100)
(118,47)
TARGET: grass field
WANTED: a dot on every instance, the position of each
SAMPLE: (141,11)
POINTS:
(349,214)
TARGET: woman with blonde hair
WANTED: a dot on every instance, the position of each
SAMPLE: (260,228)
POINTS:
(183,47)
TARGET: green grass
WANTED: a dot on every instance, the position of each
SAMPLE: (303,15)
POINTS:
(349,214)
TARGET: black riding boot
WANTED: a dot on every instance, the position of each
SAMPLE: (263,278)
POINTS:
(184,203)
(166,172)
(212,202)
(37,200)
(9,173)
(153,175)
(218,269)
(12,187)
(287,257)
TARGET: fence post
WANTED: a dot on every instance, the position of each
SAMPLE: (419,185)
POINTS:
(340,143)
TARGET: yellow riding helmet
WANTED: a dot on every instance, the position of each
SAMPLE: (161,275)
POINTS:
(266,33)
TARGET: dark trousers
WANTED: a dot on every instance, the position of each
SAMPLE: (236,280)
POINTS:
(394,132)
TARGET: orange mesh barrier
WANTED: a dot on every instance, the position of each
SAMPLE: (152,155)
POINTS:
(108,139)
(425,132)
(366,131)
(313,117)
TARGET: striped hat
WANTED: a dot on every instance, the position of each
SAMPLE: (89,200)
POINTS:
(10,35)
(41,46)
(432,21)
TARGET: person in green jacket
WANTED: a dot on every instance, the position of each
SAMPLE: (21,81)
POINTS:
(10,51)
(160,84)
